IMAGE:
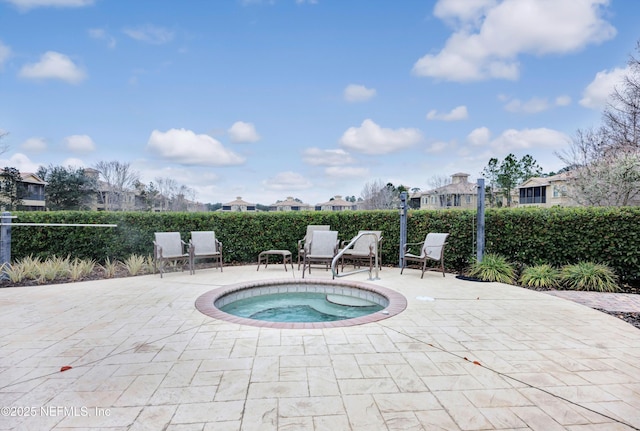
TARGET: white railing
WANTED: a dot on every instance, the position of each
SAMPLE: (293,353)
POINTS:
(337,257)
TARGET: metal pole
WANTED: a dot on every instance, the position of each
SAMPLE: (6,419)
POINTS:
(480,229)
(403,225)
(5,241)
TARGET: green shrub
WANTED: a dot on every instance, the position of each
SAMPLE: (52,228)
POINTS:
(110,268)
(540,276)
(15,272)
(492,268)
(135,264)
(524,235)
(53,268)
(589,276)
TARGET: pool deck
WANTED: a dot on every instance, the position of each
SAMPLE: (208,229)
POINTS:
(462,356)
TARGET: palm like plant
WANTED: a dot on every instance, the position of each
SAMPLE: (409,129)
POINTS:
(589,276)
(540,276)
(493,268)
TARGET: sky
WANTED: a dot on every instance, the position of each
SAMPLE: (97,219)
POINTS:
(266,99)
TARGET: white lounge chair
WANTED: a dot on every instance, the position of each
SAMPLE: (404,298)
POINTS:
(303,244)
(205,245)
(168,246)
(322,249)
(432,249)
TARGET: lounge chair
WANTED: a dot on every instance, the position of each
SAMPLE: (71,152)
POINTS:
(432,249)
(303,244)
(364,249)
(168,246)
(322,249)
(205,245)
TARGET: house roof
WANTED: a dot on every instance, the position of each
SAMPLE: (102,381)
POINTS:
(545,181)
(290,202)
(461,188)
(28,177)
(338,202)
(239,202)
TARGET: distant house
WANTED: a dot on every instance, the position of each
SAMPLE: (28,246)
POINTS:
(238,205)
(336,204)
(32,192)
(460,193)
(545,191)
(290,204)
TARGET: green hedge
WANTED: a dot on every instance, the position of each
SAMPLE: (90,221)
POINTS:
(557,236)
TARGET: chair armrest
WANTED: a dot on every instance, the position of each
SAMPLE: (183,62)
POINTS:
(406,246)
(157,250)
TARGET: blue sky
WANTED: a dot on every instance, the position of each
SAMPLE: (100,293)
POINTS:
(266,99)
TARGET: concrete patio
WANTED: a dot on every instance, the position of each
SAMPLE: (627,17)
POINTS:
(462,356)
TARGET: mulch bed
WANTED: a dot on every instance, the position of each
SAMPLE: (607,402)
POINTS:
(632,318)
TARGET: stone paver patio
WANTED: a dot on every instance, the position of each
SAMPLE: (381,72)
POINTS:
(462,356)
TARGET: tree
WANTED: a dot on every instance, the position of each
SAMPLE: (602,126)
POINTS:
(437,181)
(118,178)
(10,192)
(213,207)
(67,188)
(148,196)
(376,196)
(605,161)
(505,176)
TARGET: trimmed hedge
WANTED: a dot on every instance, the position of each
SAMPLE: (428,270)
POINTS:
(533,235)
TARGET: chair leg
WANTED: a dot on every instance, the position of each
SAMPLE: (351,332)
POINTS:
(442,264)
(424,268)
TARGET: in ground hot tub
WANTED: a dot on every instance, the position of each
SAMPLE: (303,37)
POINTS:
(302,303)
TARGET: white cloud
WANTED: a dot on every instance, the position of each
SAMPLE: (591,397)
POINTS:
(317,157)
(150,34)
(513,140)
(287,181)
(358,93)
(53,65)
(187,148)
(490,36)
(462,12)
(438,147)
(531,106)
(346,172)
(5,53)
(101,34)
(479,137)
(456,114)
(370,138)
(21,162)
(36,145)
(80,143)
(32,4)
(597,93)
(74,163)
(307,1)
(243,132)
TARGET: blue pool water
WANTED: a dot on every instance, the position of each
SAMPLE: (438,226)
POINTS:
(297,307)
